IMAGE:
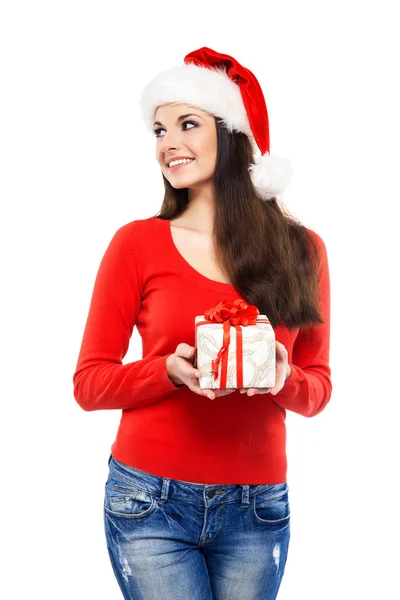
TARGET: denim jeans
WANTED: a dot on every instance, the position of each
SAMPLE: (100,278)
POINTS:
(179,540)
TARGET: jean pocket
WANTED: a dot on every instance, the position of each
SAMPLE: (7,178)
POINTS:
(271,506)
(123,500)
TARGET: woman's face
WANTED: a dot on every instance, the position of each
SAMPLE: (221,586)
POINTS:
(193,136)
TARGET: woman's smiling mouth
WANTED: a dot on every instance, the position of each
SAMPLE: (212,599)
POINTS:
(178,166)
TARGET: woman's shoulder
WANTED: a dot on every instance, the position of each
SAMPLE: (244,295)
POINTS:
(314,234)
(139,227)
(317,238)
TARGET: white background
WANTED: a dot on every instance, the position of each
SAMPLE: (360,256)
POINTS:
(77,163)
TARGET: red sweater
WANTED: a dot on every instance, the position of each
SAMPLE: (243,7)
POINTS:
(143,280)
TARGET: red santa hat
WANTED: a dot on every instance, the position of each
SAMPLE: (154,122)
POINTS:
(217,83)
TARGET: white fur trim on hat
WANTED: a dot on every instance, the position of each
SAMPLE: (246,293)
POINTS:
(208,89)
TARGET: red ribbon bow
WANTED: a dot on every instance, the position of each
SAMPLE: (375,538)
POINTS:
(237,313)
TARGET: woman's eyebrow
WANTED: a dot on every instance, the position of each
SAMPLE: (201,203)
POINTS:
(179,118)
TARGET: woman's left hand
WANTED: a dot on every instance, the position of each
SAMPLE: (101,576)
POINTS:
(283,371)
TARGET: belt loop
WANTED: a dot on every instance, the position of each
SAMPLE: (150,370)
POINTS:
(165,489)
(245,496)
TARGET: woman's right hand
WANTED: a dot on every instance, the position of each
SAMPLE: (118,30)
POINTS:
(181,371)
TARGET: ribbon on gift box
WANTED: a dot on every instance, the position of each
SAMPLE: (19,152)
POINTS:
(239,314)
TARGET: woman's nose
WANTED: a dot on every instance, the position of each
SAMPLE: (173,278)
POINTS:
(170,140)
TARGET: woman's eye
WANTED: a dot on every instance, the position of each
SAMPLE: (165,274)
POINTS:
(157,131)
(189,123)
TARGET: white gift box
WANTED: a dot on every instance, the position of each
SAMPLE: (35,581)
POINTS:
(258,356)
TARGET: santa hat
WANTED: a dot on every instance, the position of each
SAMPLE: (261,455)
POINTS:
(218,84)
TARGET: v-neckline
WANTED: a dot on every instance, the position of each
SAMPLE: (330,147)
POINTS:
(221,286)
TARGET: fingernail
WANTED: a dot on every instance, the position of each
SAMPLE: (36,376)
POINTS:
(251,393)
(242,391)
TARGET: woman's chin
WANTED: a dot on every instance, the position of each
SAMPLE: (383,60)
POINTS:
(182,182)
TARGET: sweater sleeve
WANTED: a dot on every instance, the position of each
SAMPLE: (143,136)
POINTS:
(100,380)
(308,388)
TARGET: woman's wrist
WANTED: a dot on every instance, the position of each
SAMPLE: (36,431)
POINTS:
(288,372)
(171,371)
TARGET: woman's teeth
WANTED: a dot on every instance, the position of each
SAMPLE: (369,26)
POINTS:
(184,161)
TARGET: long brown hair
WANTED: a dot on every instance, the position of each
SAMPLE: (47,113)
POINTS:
(270,257)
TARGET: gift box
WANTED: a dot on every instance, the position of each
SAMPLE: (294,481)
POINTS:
(235,347)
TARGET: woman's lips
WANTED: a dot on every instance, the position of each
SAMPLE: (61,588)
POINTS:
(176,167)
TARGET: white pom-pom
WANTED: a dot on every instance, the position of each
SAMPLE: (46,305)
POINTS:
(271,175)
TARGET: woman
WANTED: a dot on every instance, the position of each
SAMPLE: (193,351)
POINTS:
(196,502)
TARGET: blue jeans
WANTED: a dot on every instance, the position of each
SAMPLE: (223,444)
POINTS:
(179,540)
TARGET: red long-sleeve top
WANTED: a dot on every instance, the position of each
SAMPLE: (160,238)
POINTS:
(143,280)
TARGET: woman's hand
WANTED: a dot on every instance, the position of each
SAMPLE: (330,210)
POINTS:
(283,371)
(181,371)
